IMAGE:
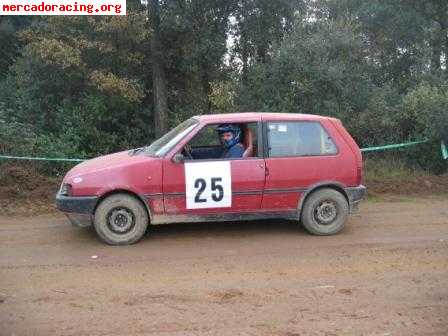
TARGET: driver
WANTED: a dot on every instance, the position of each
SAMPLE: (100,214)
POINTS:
(230,136)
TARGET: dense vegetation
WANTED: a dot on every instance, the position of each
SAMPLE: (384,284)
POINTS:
(83,86)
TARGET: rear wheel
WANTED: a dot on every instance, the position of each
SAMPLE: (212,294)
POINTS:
(120,219)
(325,212)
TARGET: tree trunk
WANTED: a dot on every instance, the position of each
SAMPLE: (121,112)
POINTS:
(244,42)
(158,71)
(445,47)
(205,80)
(436,46)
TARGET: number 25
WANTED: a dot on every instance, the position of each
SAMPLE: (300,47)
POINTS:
(216,187)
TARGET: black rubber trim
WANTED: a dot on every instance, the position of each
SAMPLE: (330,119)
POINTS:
(356,194)
(78,205)
(154,195)
(243,192)
(248,192)
(223,217)
(285,190)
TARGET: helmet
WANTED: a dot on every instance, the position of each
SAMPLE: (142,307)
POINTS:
(234,129)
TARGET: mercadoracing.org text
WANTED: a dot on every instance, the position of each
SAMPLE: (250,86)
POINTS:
(58,7)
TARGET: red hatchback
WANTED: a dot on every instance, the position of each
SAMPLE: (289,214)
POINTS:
(293,166)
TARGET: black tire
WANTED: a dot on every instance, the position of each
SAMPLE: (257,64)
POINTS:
(120,219)
(325,212)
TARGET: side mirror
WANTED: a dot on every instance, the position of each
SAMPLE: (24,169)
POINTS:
(178,158)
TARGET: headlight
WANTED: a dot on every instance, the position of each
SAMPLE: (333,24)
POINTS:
(65,190)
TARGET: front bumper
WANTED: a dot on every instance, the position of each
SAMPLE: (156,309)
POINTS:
(355,195)
(79,210)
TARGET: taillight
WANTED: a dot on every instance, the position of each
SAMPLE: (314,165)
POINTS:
(359,176)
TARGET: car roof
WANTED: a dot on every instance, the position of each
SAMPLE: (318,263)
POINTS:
(252,116)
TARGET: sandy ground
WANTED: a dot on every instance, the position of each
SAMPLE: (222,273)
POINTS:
(385,274)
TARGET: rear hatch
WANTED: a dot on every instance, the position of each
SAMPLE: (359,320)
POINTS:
(353,146)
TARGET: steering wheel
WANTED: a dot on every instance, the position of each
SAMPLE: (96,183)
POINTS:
(187,152)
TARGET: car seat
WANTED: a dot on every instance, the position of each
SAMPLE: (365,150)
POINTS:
(248,143)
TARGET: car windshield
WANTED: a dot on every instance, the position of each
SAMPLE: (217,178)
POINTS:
(162,145)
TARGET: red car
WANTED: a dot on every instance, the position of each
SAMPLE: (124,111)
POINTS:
(293,166)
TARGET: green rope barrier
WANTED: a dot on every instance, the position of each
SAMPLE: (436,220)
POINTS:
(367,149)
(380,148)
(443,147)
(385,147)
(444,150)
(39,158)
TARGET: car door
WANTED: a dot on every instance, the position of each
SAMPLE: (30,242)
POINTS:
(213,186)
(299,154)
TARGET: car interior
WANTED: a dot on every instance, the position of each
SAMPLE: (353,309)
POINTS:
(207,145)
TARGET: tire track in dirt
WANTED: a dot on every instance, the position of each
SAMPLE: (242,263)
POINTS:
(385,274)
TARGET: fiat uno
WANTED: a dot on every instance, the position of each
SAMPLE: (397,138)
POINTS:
(294,166)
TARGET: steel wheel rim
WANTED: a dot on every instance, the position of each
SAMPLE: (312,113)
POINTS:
(120,220)
(325,212)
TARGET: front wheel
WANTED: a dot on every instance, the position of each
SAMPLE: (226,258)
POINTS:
(325,212)
(120,219)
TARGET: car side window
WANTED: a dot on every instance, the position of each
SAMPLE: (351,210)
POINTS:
(206,144)
(299,138)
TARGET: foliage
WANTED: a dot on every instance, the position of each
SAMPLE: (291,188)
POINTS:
(15,137)
(425,112)
(426,108)
(79,83)
(83,86)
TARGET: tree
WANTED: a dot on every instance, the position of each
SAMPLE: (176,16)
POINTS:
(83,76)
(194,39)
(91,85)
(258,26)
(158,71)
(9,26)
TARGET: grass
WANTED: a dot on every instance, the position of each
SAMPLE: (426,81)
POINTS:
(386,169)
(391,178)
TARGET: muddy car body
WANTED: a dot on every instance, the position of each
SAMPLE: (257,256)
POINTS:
(294,166)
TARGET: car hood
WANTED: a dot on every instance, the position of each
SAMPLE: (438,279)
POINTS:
(106,162)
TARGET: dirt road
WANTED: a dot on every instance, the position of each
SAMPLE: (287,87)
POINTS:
(385,274)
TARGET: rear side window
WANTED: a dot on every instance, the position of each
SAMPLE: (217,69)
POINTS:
(299,138)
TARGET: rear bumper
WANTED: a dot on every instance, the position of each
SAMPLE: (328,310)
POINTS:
(79,210)
(355,195)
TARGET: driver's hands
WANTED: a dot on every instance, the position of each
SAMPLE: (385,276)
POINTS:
(187,148)
(187,151)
